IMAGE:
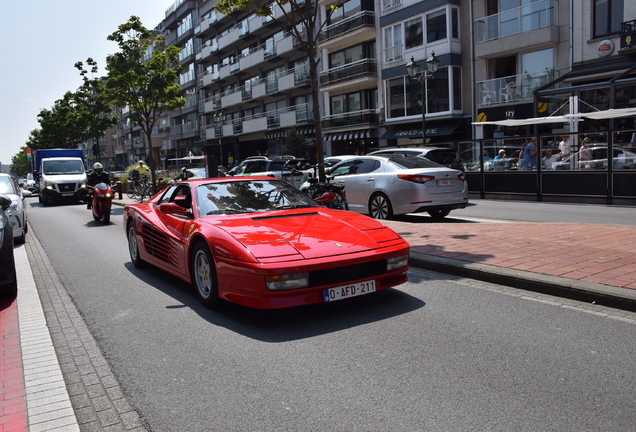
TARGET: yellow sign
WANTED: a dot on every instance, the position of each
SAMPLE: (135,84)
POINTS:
(482,117)
(542,107)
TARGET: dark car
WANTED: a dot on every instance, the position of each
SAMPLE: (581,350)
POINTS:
(444,156)
(8,279)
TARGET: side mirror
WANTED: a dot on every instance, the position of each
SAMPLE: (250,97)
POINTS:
(26,193)
(172,208)
(5,202)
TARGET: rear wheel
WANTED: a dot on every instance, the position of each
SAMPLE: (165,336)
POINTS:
(380,207)
(204,275)
(438,214)
(133,247)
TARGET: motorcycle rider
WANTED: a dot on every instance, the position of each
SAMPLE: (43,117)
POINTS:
(97,175)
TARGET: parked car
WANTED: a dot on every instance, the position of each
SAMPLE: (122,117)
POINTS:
(280,168)
(444,156)
(30,183)
(8,279)
(332,160)
(17,210)
(261,243)
(623,159)
(383,186)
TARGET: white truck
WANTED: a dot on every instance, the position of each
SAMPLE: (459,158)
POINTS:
(60,175)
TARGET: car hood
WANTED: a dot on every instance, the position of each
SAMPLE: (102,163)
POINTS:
(310,233)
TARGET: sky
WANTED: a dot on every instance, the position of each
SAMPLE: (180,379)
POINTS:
(41,41)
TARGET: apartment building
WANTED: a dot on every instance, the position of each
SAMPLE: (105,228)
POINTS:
(417,30)
(561,71)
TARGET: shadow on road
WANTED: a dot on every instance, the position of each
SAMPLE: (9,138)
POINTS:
(283,325)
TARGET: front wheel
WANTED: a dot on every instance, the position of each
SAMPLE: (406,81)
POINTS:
(380,207)
(133,247)
(204,276)
(106,213)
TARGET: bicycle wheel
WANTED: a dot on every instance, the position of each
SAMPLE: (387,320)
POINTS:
(130,189)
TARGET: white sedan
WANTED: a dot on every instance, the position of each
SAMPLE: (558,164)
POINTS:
(17,210)
(383,186)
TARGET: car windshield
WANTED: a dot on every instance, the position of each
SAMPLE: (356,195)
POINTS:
(409,162)
(249,196)
(61,167)
(443,157)
(6,185)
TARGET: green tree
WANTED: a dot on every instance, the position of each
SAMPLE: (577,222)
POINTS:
(149,87)
(60,126)
(303,21)
(294,143)
(94,113)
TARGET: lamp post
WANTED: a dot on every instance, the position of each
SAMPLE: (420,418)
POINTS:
(413,69)
(219,118)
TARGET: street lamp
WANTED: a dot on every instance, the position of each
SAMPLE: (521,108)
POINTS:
(413,69)
(219,118)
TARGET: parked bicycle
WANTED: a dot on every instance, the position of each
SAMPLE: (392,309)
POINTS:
(331,195)
(138,187)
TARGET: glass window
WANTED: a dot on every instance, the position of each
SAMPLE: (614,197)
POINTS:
(346,10)
(436,26)
(538,61)
(393,43)
(455,23)
(413,33)
(608,16)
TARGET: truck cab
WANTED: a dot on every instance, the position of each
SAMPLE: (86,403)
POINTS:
(61,176)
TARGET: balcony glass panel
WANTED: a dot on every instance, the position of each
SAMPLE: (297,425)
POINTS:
(526,18)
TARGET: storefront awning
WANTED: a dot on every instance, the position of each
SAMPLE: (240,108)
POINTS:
(606,114)
(433,128)
(526,122)
(595,115)
(340,136)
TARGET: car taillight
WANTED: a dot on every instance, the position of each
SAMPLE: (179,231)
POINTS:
(461,176)
(416,178)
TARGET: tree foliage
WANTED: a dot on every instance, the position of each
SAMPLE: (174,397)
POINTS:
(91,100)
(150,86)
(78,117)
(20,166)
(294,143)
(302,18)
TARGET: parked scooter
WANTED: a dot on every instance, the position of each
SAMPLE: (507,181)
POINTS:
(101,202)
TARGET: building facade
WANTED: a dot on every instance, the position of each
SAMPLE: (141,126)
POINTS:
(507,69)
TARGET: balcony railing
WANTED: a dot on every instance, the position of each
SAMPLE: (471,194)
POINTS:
(360,68)
(518,20)
(284,117)
(511,89)
(369,117)
(359,20)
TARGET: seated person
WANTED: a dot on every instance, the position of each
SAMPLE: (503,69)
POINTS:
(501,159)
(549,159)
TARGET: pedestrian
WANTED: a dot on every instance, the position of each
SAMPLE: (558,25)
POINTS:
(585,155)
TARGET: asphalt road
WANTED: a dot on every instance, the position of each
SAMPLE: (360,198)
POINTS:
(436,354)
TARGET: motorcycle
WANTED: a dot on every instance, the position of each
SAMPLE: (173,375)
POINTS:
(101,202)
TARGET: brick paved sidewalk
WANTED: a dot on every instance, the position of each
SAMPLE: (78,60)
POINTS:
(604,254)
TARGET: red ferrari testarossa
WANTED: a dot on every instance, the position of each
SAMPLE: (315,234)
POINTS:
(260,242)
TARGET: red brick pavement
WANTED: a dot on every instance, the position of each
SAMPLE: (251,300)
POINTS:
(589,252)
